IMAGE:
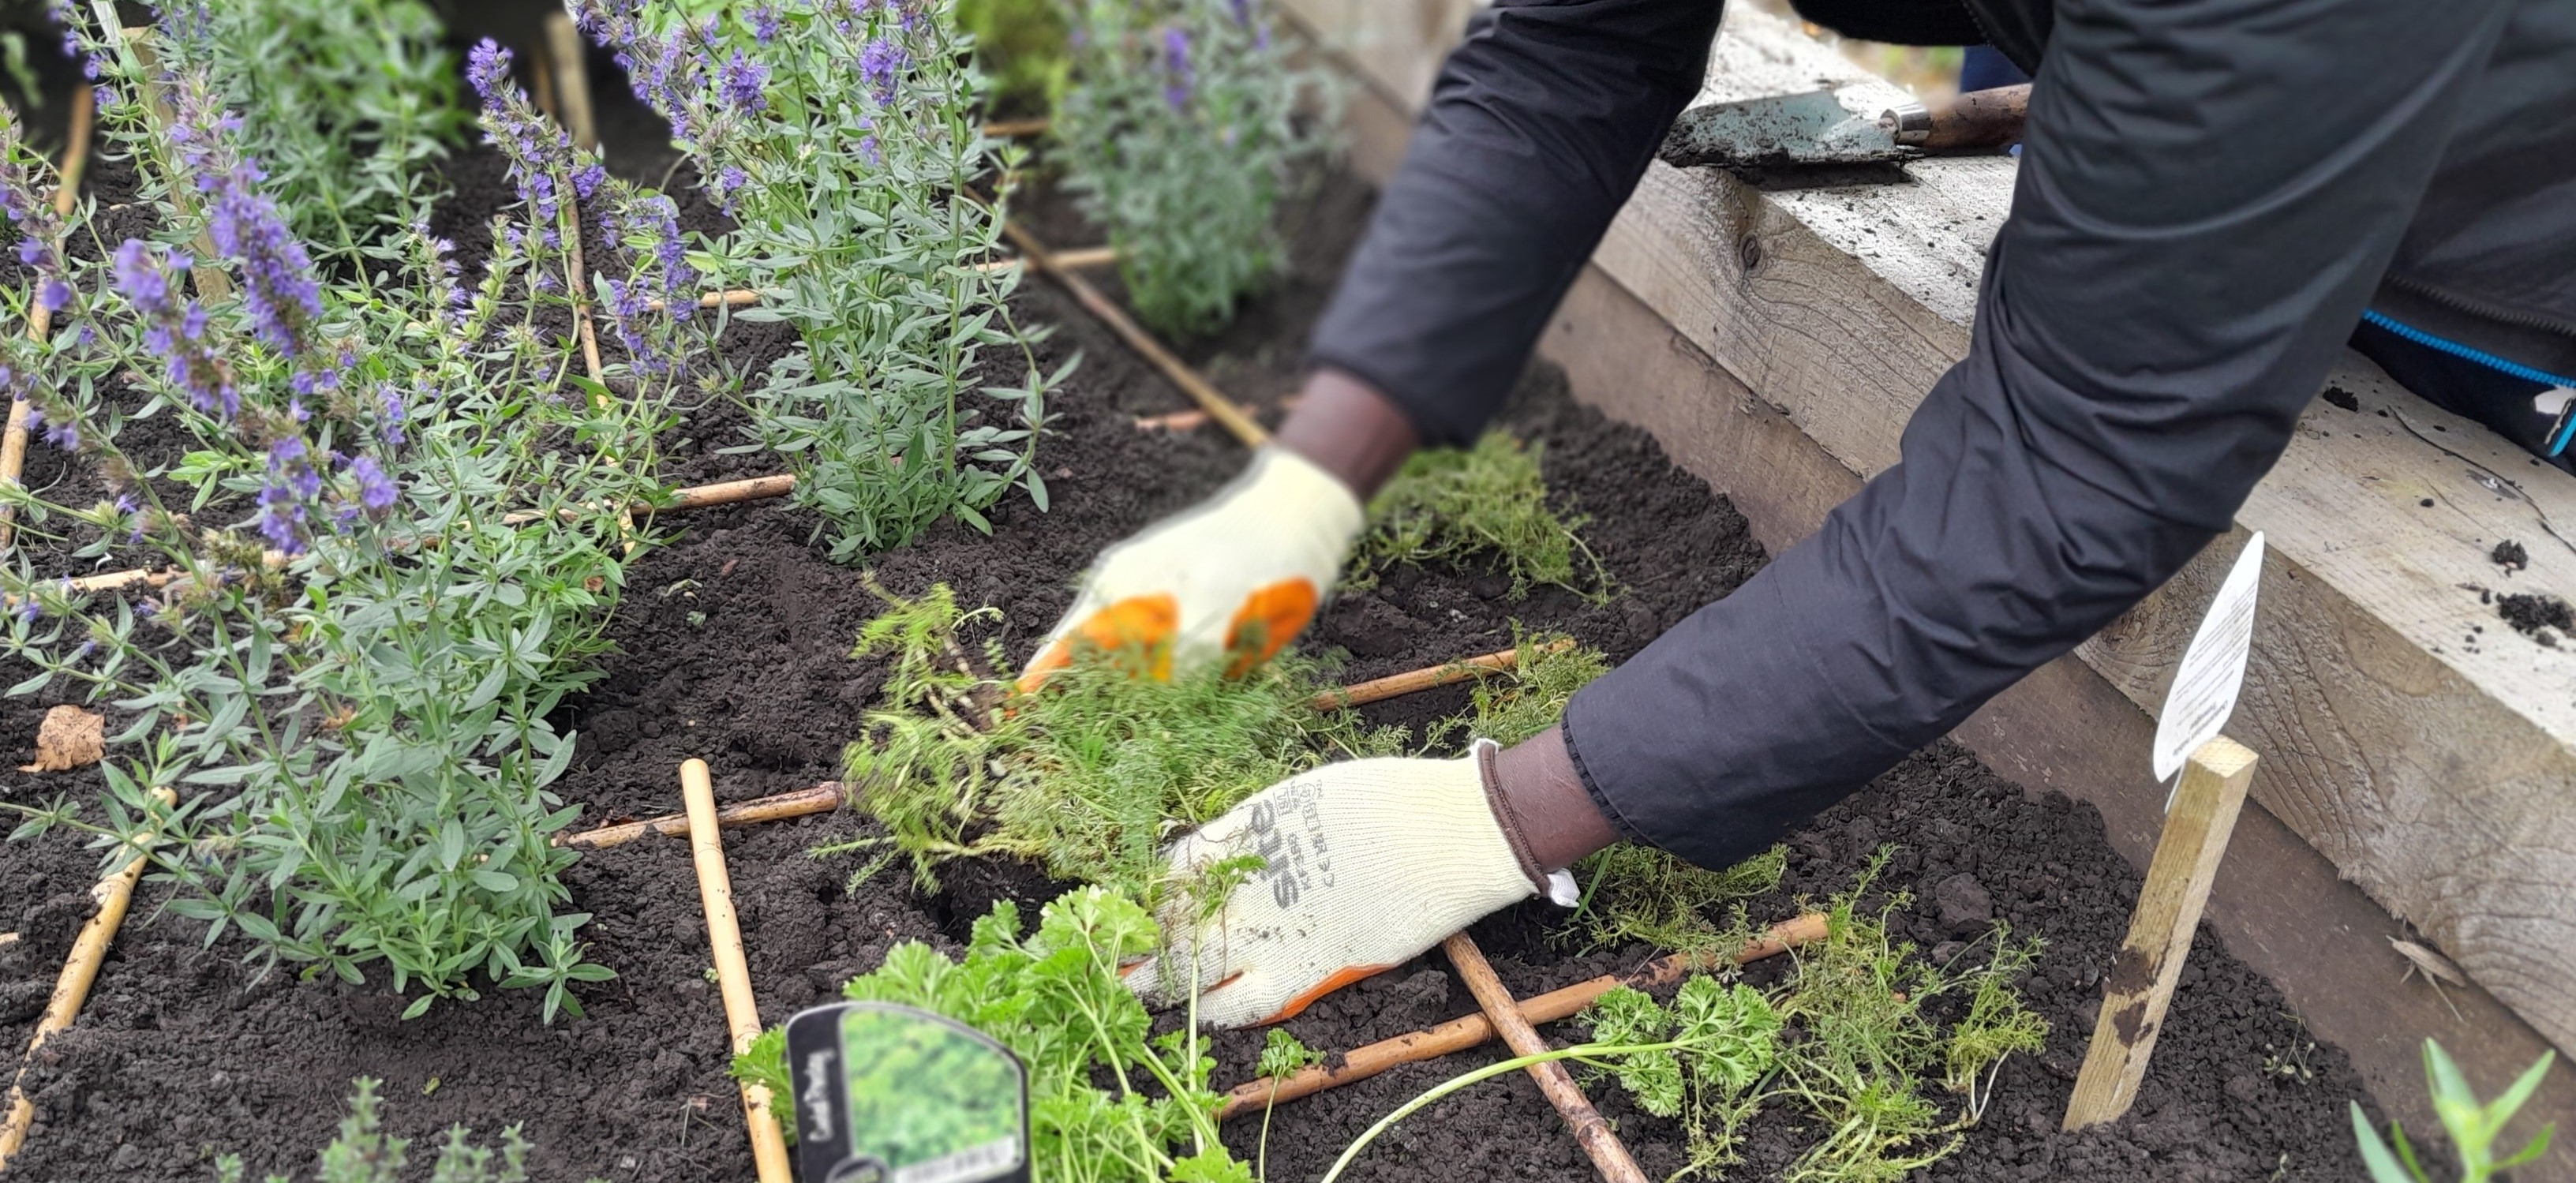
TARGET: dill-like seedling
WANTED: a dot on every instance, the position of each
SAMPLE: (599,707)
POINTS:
(1090,776)
(1639,893)
(1487,503)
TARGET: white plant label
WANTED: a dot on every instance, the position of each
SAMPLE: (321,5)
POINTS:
(2213,668)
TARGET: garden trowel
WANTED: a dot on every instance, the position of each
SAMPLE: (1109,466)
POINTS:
(1823,127)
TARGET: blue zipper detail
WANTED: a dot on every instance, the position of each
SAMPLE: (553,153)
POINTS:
(2566,429)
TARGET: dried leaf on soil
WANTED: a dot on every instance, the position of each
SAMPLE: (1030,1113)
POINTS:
(69,738)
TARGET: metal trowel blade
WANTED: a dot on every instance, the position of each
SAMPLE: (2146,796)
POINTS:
(1790,129)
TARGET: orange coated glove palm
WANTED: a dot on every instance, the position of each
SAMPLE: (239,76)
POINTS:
(1232,579)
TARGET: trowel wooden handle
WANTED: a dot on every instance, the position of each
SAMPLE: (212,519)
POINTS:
(1977,119)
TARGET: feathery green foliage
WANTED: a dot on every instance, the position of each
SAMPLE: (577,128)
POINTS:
(1053,997)
(1547,669)
(1484,503)
(2472,1124)
(364,1153)
(1868,1045)
(1845,1043)
(1087,778)
(1639,893)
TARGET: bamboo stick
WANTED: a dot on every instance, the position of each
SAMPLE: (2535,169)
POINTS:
(40,321)
(733,975)
(1599,1142)
(1411,681)
(572,78)
(829,794)
(693,497)
(1207,396)
(1457,1035)
(1193,418)
(726,493)
(1004,129)
(212,283)
(1089,256)
(114,894)
(822,798)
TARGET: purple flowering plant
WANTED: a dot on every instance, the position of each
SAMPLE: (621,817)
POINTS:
(384,554)
(1185,124)
(843,137)
(344,102)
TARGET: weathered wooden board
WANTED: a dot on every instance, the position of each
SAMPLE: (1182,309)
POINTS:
(2434,763)
(2278,904)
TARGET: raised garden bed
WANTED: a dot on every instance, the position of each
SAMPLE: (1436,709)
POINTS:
(733,645)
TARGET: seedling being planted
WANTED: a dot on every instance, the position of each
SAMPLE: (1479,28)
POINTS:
(2473,1125)
(1486,504)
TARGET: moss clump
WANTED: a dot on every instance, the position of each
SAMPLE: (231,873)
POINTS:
(1485,503)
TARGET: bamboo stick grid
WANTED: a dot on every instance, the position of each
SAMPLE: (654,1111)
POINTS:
(703,820)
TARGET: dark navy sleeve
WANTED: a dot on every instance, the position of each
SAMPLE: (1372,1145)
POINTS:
(1537,129)
(2208,192)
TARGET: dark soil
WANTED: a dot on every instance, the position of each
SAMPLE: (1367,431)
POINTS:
(733,646)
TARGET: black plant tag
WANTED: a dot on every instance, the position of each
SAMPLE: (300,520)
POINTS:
(891,1094)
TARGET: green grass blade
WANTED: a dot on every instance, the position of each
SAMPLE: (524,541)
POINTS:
(2374,1152)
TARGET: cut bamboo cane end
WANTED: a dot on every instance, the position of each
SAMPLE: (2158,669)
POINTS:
(1198,388)
(2140,987)
(822,798)
(114,895)
(733,973)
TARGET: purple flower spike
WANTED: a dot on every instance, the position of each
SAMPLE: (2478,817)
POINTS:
(764,23)
(743,80)
(880,60)
(1176,64)
(376,491)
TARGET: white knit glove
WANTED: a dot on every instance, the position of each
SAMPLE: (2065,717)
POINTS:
(1368,863)
(1236,576)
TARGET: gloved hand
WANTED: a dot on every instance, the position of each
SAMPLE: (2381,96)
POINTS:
(1368,863)
(1235,577)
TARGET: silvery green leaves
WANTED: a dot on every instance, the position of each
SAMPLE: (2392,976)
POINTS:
(381,558)
(344,102)
(843,138)
(1183,127)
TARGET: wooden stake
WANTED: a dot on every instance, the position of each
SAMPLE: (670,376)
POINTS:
(2197,826)
(114,894)
(571,62)
(40,322)
(1206,395)
(1457,1035)
(1608,1154)
(733,977)
(1411,681)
